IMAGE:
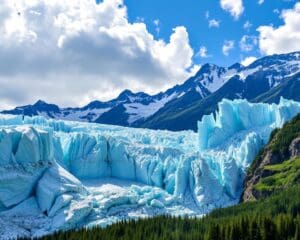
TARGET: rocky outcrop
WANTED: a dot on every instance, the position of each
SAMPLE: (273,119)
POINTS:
(253,177)
(294,148)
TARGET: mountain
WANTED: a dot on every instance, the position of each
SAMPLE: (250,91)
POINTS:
(248,83)
(40,107)
(185,117)
(130,109)
(180,107)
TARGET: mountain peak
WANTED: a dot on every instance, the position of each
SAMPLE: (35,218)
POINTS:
(40,103)
(94,104)
(126,93)
(236,66)
(207,67)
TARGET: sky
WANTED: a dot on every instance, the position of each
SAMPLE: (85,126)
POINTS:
(73,52)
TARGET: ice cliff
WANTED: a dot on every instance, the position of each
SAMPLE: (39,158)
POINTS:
(59,175)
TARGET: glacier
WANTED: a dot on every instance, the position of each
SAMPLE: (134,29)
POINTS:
(60,175)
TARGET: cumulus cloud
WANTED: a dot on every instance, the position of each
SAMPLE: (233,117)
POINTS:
(72,52)
(247,43)
(213,23)
(227,47)
(234,7)
(248,60)
(284,38)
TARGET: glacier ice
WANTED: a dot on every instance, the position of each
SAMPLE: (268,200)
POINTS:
(59,175)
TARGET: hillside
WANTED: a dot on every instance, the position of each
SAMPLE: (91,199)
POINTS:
(278,164)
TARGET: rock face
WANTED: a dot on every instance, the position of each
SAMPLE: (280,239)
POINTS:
(250,193)
(71,174)
(294,148)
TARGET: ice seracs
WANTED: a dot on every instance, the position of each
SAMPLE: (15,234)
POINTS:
(71,174)
(240,115)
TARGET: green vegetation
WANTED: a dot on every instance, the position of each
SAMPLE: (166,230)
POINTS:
(282,139)
(273,168)
(283,175)
(276,217)
(279,142)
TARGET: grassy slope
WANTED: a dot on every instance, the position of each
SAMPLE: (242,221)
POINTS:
(279,142)
(283,175)
(281,139)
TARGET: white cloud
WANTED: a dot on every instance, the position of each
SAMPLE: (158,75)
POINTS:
(248,60)
(284,38)
(72,52)
(260,2)
(247,43)
(202,52)
(234,7)
(213,23)
(247,25)
(227,47)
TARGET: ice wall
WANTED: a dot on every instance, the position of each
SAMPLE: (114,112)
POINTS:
(240,115)
(70,174)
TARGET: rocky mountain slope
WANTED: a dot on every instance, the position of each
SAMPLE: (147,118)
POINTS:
(289,89)
(250,83)
(278,164)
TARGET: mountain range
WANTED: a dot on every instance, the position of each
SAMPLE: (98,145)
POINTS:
(180,107)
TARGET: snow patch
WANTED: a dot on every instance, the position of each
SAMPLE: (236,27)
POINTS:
(139,111)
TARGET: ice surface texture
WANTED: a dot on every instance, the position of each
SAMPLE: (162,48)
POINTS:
(58,175)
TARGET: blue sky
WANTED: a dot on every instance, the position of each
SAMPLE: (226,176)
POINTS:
(74,52)
(193,15)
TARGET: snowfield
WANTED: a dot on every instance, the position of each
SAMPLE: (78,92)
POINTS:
(59,175)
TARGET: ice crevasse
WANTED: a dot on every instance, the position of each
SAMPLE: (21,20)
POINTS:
(60,175)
